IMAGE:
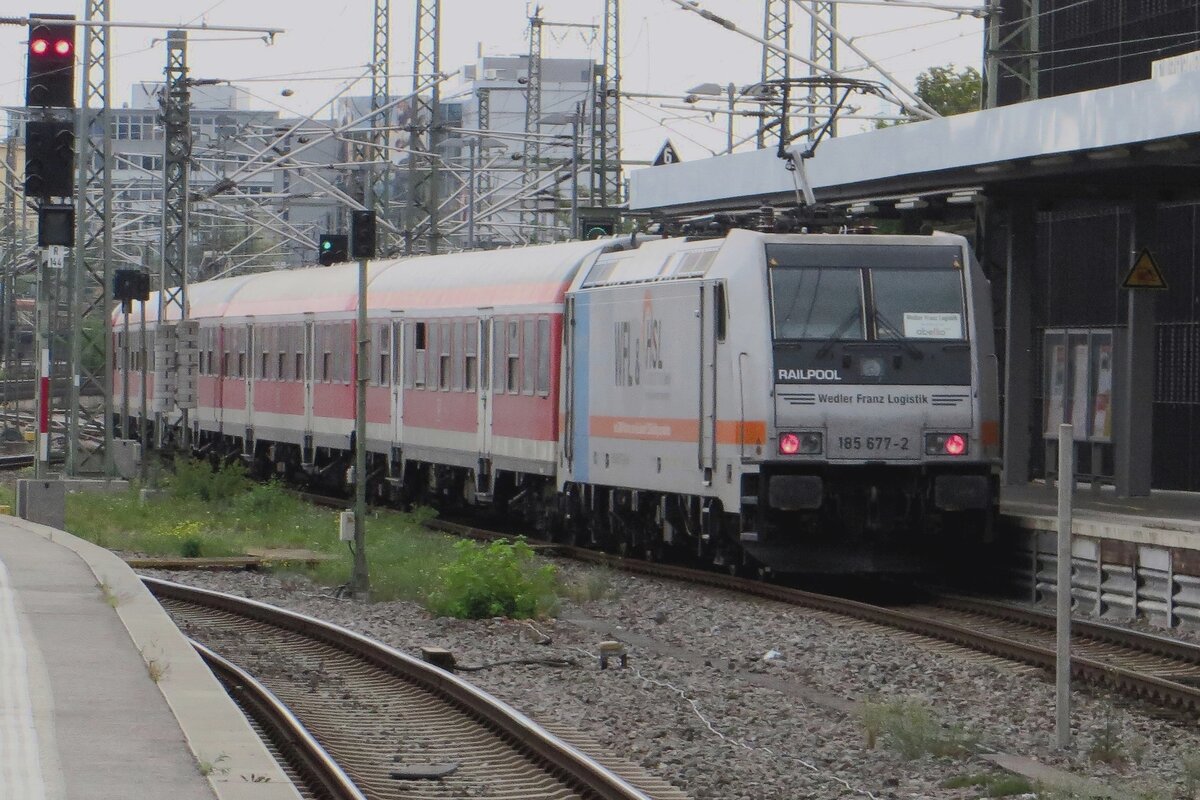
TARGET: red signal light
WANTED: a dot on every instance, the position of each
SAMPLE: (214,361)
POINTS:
(39,47)
(789,444)
(956,445)
(62,47)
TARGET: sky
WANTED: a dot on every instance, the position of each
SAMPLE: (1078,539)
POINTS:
(665,50)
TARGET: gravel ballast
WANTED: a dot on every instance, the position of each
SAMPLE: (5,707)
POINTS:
(731,697)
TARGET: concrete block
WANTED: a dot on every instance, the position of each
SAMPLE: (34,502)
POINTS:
(127,457)
(42,501)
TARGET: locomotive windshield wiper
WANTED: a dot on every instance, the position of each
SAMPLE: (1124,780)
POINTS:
(836,336)
(886,324)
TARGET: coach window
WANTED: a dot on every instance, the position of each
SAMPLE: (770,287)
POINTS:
(383,347)
(297,350)
(285,337)
(263,337)
(241,344)
(469,360)
(530,356)
(227,352)
(434,351)
(513,376)
(457,355)
(543,356)
(420,346)
(444,356)
(322,347)
(500,355)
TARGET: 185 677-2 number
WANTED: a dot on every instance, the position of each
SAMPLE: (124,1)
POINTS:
(873,443)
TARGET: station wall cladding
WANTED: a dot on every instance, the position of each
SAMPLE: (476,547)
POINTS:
(1102,42)
(1083,255)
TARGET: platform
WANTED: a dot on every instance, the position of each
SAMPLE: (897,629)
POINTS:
(1135,557)
(101,696)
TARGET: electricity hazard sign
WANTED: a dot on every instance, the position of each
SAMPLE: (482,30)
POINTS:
(1145,274)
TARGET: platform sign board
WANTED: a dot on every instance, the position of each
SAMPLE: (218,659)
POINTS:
(1145,273)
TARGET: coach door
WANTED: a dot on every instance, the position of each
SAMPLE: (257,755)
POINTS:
(483,380)
(399,356)
(249,367)
(707,440)
(307,347)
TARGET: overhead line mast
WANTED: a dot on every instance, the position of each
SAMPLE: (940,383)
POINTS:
(606,109)
(91,287)
(422,208)
(377,193)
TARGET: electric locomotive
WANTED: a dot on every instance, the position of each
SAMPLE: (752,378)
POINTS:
(816,402)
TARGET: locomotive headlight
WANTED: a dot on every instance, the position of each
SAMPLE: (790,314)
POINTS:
(804,443)
(871,367)
(945,444)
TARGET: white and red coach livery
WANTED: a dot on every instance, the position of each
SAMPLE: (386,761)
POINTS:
(464,355)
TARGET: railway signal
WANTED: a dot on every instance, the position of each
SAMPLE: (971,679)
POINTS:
(50,68)
(49,158)
(56,225)
(362,234)
(332,249)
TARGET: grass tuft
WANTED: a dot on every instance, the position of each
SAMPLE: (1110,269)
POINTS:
(910,728)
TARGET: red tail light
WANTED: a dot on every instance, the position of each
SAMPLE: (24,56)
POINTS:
(789,443)
(956,445)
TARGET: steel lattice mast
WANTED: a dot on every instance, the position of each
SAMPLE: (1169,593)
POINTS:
(424,130)
(822,50)
(606,133)
(1013,52)
(173,277)
(532,152)
(90,281)
(11,231)
(776,66)
(378,188)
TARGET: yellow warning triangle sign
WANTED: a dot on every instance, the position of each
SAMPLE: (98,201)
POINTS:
(1145,274)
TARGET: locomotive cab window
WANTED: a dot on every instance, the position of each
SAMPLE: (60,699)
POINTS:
(866,292)
(917,304)
(818,303)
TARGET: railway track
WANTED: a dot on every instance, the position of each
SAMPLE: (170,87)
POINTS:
(398,727)
(306,762)
(1153,668)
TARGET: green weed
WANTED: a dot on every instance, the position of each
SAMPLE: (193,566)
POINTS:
(910,728)
(1190,764)
(992,783)
(199,480)
(498,579)
(1107,746)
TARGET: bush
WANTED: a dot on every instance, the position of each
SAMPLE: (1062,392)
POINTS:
(196,479)
(501,579)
